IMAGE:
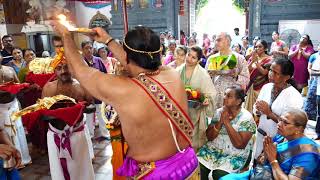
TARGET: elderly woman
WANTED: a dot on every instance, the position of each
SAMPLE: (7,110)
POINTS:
(192,74)
(290,155)
(259,64)
(276,98)
(229,137)
(179,57)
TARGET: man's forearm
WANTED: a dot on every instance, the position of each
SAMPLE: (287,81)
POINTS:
(73,57)
(273,117)
(118,52)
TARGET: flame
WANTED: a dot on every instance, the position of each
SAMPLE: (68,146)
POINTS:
(63,21)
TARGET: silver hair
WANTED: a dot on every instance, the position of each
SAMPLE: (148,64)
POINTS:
(227,36)
(300,117)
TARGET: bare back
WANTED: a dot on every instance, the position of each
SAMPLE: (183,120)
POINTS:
(145,127)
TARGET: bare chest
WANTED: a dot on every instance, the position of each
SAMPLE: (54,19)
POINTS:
(70,90)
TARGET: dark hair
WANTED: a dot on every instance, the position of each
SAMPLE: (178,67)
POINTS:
(287,69)
(17,48)
(264,44)
(6,36)
(198,50)
(235,44)
(100,49)
(309,42)
(84,43)
(239,92)
(245,38)
(28,49)
(275,32)
(164,49)
(56,38)
(236,29)
(143,39)
(183,48)
(6,97)
(256,37)
(193,39)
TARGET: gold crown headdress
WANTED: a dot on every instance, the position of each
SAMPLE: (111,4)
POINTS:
(142,52)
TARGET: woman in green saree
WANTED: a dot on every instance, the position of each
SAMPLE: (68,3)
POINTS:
(193,75)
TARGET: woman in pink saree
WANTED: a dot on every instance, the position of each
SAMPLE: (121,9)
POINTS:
(299,55)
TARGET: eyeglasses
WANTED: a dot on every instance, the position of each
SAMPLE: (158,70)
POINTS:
(285,122)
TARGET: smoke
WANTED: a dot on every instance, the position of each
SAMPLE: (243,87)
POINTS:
(47,9)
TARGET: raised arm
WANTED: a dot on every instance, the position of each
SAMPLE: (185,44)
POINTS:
(102,86)
(293,52)
(113,46)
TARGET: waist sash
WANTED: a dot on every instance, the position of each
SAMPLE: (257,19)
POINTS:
(167,105)
(178,166)
(63,143)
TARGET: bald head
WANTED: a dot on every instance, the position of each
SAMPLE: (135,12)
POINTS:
(223,41)
(226,36)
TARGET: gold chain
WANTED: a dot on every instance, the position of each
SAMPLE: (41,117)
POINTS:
(142,52)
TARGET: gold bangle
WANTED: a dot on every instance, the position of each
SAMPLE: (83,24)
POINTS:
(108,41)
(214,127)
(274,161)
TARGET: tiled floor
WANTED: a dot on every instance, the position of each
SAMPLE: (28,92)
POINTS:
(39,169)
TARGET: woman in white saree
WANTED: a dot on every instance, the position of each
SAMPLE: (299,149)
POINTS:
(275,99)
(192,74)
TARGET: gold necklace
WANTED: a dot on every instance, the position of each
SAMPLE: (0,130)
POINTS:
(151,73)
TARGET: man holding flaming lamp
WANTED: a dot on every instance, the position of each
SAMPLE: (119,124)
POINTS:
(151,104)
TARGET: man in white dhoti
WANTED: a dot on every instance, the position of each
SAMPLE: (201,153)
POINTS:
(14,128)
(66,85)
(275,99)
(68,150)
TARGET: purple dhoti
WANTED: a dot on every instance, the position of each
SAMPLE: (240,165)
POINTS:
(176,167)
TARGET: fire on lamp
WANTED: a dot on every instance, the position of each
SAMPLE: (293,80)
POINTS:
(63,20)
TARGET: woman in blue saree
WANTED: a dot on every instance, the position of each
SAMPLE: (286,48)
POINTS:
(291,155)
